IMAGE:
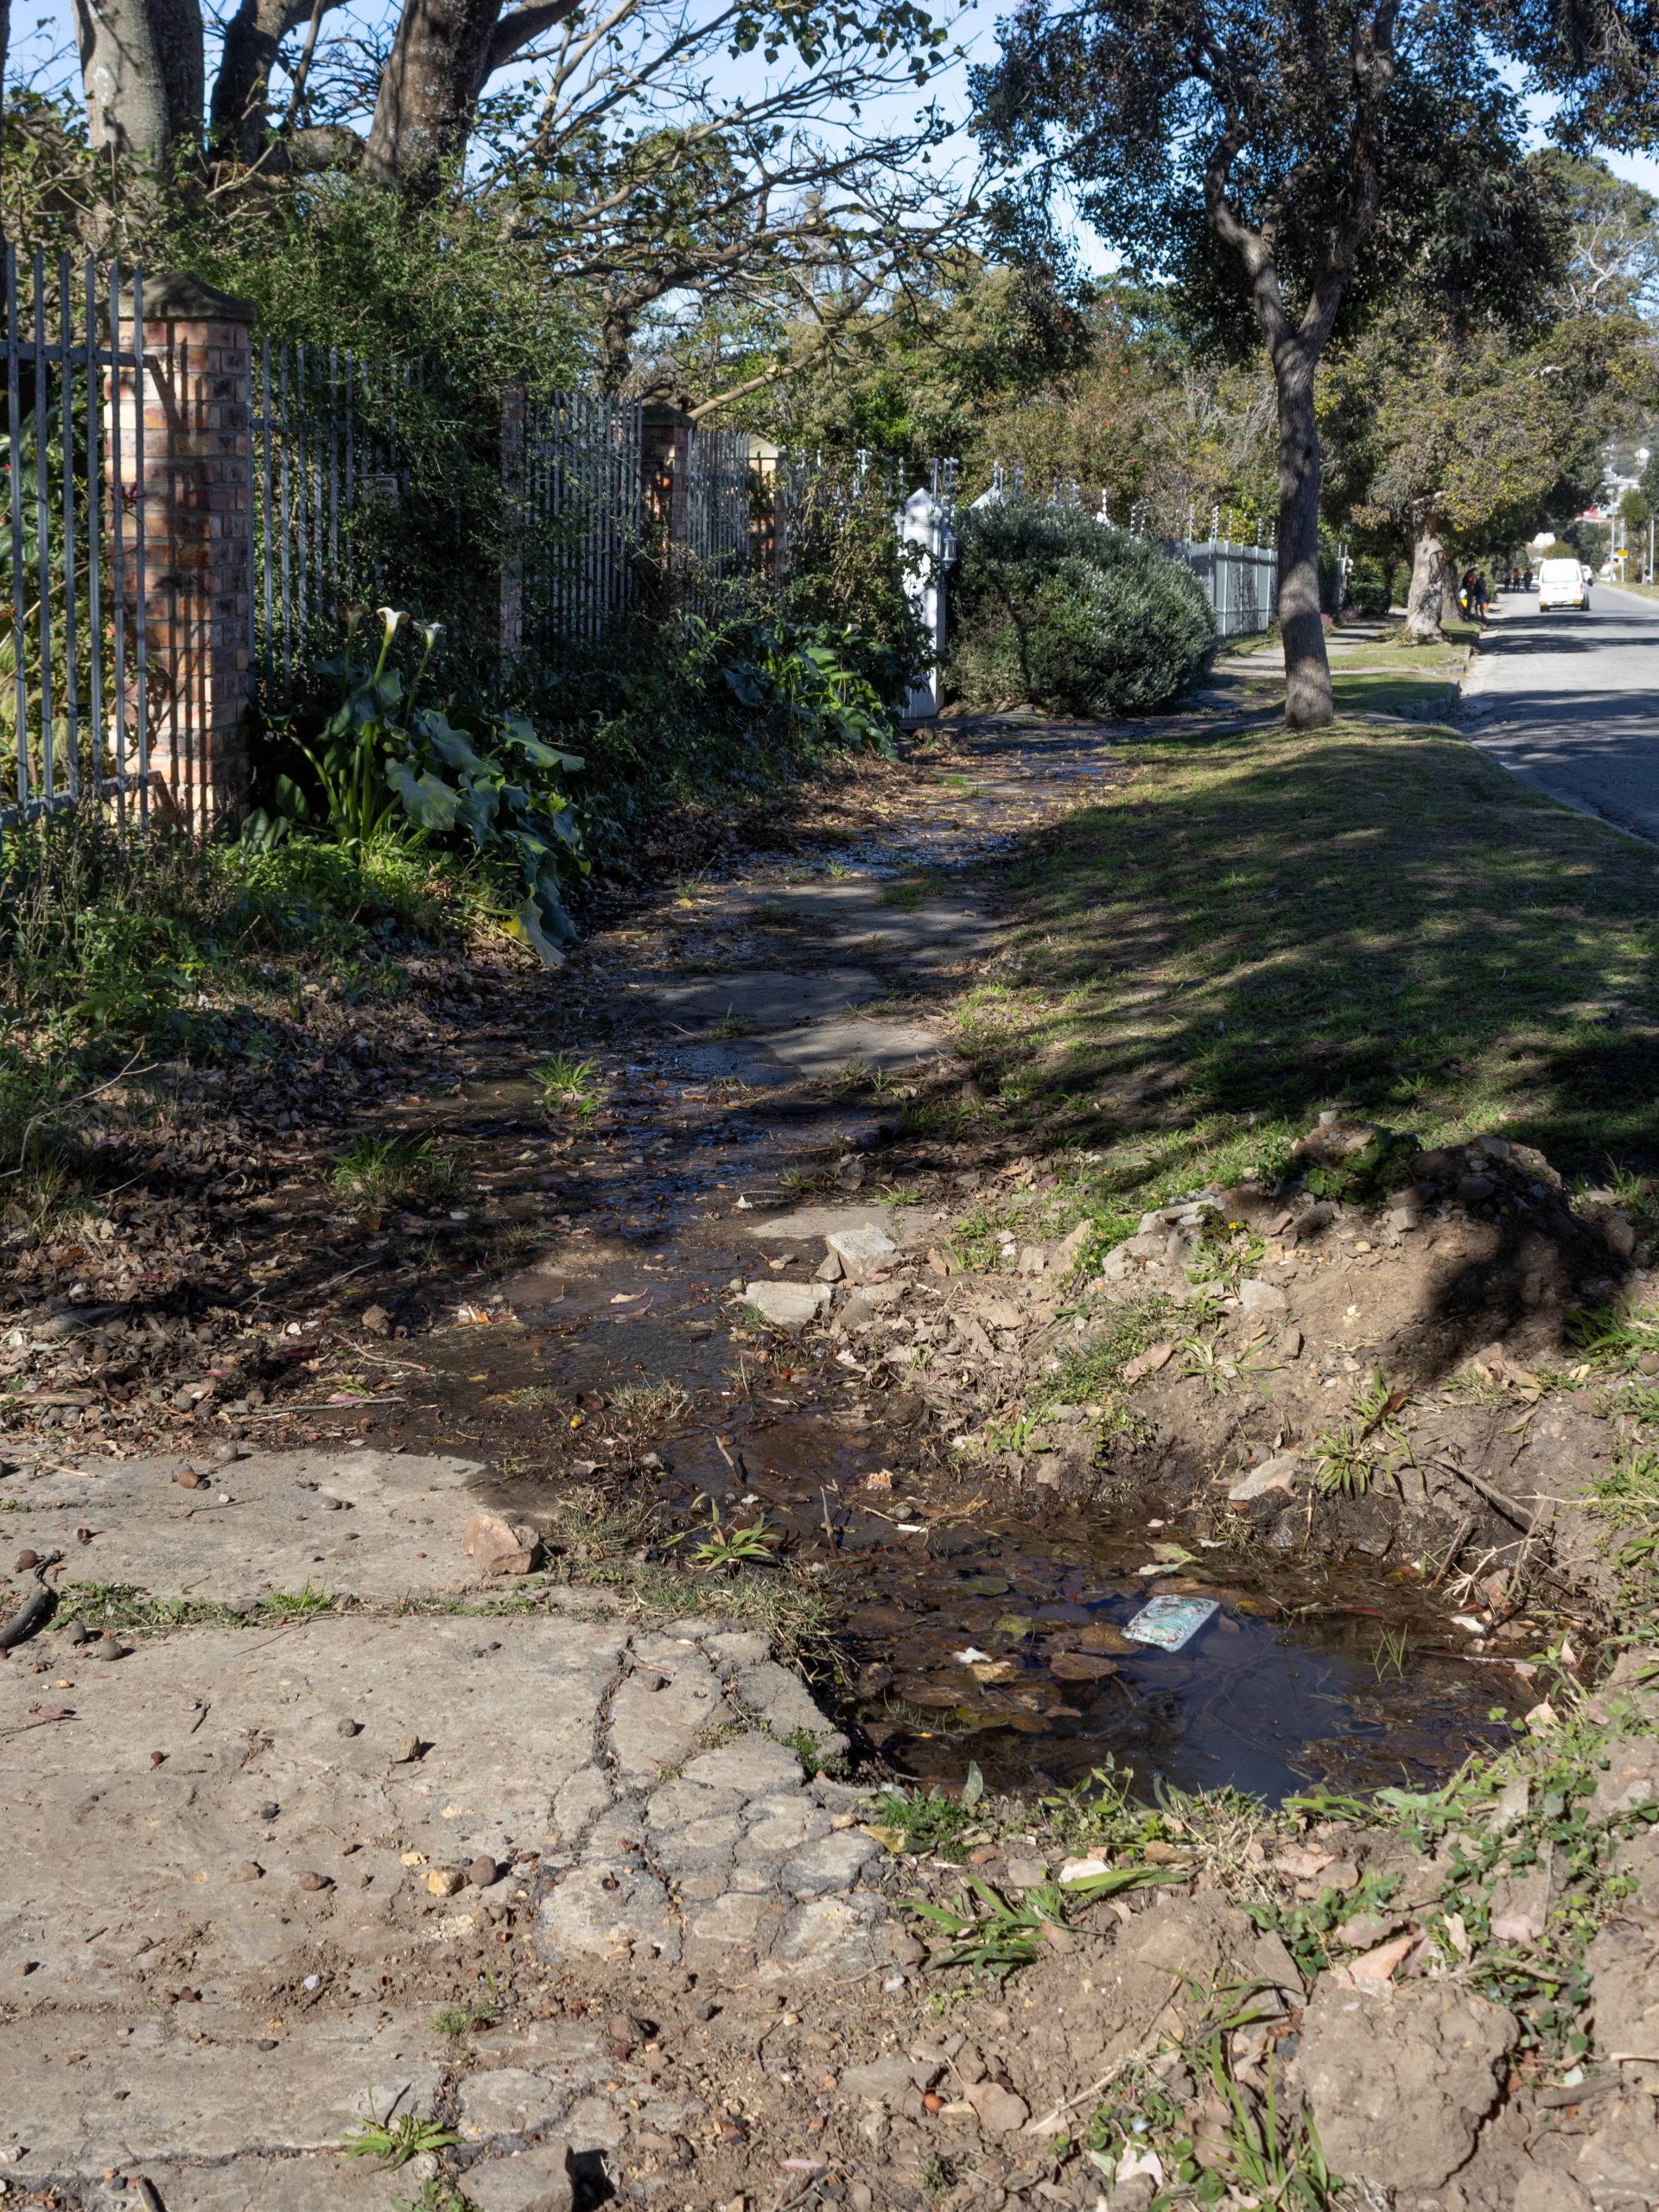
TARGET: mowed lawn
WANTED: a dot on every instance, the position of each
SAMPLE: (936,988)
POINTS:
(1259,924)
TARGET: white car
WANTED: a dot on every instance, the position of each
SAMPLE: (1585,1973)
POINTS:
(1563,583)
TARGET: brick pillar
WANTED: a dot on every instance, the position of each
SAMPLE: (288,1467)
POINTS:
(665,439)
(513,500)
(180,485)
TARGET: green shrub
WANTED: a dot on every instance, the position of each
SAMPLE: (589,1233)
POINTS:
(1374,582)
(1050,605)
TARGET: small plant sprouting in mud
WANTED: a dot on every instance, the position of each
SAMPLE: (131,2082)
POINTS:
(731,1023)
(392,2143)
(1349,1457)
(1390,1657)
(939,2176)
(566,1085)
(385,1169)
(724,1549)
(928,1820)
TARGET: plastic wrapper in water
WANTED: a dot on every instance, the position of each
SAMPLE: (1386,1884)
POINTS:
(1169,1623)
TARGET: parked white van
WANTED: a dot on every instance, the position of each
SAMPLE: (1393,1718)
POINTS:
(1562,583)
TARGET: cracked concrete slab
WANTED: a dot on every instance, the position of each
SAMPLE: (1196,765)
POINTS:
(360,1523)
(241,1838)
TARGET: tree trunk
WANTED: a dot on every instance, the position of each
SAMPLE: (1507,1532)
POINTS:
(429,89)
(1308,702)
(252,39)
(141,64)
(1426,600)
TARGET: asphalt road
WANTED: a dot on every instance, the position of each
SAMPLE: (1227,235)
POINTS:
(1570,702)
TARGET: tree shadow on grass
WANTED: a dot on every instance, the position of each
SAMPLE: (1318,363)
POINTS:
(1261,925)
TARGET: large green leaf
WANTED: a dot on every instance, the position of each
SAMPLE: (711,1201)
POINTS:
(428,802)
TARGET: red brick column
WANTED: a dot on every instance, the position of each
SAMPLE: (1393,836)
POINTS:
(180,489)
(665,466)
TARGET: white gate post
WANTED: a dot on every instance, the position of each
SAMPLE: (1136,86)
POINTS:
(928,546)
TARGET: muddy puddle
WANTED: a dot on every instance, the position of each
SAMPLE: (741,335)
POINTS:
(973,1626)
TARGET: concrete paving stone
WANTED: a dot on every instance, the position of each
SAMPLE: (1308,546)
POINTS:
(733,1924)
(787,1704)
(631,1918)
(319,2182)
(699,1846)
(511,2101)
(830,1863)
(536,2180)
(788,1305)
(806,1225)
(120,1852)
(785,1827)
(753,1764)
(580,1800)
(86,2093)
(679,1802)
(735,1650)
(656,1722)
(394,1527)
(833,1936)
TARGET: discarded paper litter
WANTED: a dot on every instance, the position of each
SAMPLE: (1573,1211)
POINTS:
(1170,1622)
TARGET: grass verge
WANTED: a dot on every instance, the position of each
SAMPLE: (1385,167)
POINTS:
(1261,923)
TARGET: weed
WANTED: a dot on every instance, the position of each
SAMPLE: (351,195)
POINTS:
(392,2143)
(994,1934)
(724,1549)
(1348,1457)
(451,2020)
(907,897)
(1611,1335)
(565,1085)
(436,2194)
(805,1744)
(1390,1657)
(925,1821)
(939,2175)
(731,1023)
(386,1169)
(296,1605)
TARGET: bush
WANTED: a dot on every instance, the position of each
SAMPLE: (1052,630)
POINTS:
(1050,606)
(1374,582)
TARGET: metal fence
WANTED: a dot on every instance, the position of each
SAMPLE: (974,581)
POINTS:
(581,494)
(1240,581)
(718,499)
(323,452)
(73,662)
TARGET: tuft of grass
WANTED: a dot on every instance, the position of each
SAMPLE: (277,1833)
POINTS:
(994,1934)
(385,1170)
(565,1085)
(296,1605)
(650,1405)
